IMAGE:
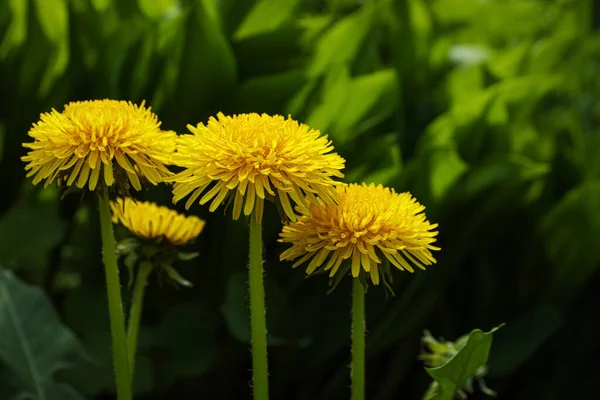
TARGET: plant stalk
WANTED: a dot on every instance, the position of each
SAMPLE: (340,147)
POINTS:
(357,371)
(260,377)
(115,303)
(135,312)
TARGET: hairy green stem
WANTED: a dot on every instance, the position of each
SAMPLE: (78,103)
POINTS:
(135,312)
(358,340)
(115,304)
(260,375)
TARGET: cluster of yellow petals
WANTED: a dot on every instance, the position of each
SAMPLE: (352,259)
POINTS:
(365,224)
(253,157)
(89,136)
(150,221)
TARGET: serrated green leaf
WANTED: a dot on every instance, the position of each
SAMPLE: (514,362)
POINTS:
(453,375)
(33,342)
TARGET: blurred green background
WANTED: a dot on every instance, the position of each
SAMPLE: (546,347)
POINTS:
(487,111)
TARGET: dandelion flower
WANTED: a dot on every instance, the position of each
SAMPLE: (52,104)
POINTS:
(367,224)
(253,157)
(150,221)
(115,138)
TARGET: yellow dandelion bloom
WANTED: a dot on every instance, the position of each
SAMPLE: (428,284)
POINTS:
(150,221)
(366,224)
(89,136)
(256,157)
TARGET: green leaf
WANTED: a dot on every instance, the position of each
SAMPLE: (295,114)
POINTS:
(17,30)
(340,44)
(571,230)
(207,68)
(156,9)
(267,93)
(101,5)
(453,375)
(175,276)
(446,169)
(335,92)
(372,98)
(33,342)
(266,16)
(53,18)
(508,63)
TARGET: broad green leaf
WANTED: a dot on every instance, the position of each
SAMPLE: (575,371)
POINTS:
(268,93)
(207,68)
(156,9)
(508,63)
(34,344)
(512,168)
(58,64)
(54,21)
(335,91)
(53,18)
(101,5)
(422,25)
(372,98)
(571,230)
(453,375)
(266,16)
(123,39)
(340,44)
(142,66)
(446,167)
(17,30)
(464,82)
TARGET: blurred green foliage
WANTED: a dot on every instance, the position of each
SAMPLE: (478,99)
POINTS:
(487,111)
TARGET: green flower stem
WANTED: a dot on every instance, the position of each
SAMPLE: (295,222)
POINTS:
(115,304)
(135,312)
(260,378)
(358,340)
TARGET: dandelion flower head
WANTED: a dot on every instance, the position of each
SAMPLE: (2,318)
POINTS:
(249,158)
(150,221)
(367,224)
(99,141)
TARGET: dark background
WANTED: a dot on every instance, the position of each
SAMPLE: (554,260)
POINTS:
(487,111)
